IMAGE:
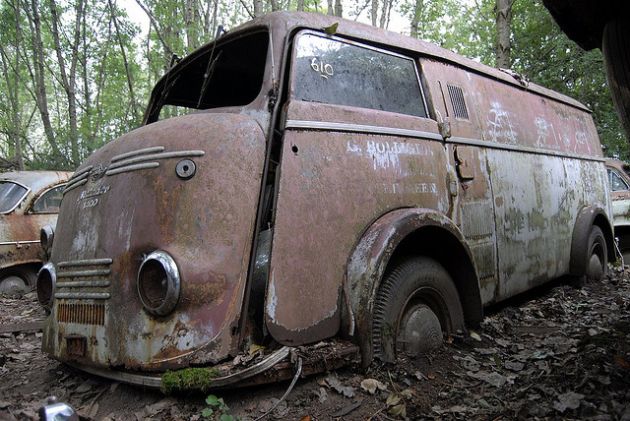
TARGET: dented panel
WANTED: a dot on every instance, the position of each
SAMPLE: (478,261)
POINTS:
(117,217)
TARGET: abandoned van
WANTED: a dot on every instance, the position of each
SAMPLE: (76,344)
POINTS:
(361,191)
(29,200)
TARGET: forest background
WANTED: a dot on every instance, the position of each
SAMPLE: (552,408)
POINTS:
(75,74)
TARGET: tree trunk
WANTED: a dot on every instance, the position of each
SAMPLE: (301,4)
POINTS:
(68,78)
(300,6)
(257,8)
(132,96)
(384,11)
(374,12)
(415,19)
(503,12)
(338,8)
(39,80)
(331,8)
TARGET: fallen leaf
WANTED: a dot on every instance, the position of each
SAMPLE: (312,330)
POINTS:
(495,379)
(569,400)
(393,399)
(475,336)
(399,410)
(333,382)
(372,385)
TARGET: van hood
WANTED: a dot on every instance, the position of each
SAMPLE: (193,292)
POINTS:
(130,199)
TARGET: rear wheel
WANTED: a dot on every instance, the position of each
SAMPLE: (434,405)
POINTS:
(597,259)
(416,304)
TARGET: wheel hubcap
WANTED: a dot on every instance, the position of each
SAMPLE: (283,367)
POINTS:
(419,330)
(12,285)
(595,270)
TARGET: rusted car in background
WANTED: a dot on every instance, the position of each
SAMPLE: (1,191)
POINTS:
(619,182)
(29,200)
(328,181)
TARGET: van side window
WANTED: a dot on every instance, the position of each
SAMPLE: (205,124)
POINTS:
(616,182)
(332,71)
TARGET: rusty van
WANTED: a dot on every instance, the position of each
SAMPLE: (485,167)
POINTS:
(29,200)
(311,183)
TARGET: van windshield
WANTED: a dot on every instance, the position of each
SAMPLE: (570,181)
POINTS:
(11,194)
(221,75)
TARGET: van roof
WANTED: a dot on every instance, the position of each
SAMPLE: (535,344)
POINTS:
(296,20)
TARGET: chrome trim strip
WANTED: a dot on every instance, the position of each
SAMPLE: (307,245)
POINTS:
(136,153)
(18,243)
(87,262)
(83,295)
(360,128)
(135,167)
(518,148)
(79,173)
(156,380)
(74,185)
(149,157)
(81,273)
(77,284)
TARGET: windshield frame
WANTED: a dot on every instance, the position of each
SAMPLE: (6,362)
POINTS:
(154,106)
(17,203)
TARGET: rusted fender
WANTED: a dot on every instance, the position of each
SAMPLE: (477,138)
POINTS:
(588,216)
(369,261)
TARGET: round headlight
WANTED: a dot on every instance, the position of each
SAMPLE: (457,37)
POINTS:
(46,280)
(159,283)
(46,236)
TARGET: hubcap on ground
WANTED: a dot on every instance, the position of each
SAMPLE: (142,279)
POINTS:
(12,285)
(419,330)
(595,270)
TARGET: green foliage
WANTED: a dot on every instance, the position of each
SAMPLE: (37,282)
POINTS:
(217,409)
(188,379)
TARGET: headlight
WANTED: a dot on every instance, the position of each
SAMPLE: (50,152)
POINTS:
(46,280)
(46,236)
(159,283)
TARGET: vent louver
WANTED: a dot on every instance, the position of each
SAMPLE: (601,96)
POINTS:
(459,104)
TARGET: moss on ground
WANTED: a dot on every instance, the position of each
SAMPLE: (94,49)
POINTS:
(189,379)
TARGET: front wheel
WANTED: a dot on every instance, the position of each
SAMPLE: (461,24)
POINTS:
(415,305)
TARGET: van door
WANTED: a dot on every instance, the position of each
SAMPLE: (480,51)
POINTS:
(357,144)
(473,206)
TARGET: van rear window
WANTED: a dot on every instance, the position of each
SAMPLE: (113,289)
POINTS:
(332,71)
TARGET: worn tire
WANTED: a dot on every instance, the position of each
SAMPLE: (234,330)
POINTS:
(416,303)
(616,49)
(597,255)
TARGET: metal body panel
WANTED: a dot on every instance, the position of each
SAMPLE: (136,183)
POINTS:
(205,223)
(333,184)
(19,229)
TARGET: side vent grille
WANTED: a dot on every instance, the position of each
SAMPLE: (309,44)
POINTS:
(85,314)
(459,104)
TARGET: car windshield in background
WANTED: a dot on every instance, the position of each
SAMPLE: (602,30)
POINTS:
(11,194)
(334,72)
(229,74)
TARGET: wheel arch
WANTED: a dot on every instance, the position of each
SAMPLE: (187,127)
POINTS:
(397,234)
(589,216)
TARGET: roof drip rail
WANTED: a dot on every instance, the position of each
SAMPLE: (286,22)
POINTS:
(521,79)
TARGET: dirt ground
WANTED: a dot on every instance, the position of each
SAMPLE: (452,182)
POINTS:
(557,353)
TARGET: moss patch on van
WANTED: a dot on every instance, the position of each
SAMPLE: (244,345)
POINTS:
(188,379)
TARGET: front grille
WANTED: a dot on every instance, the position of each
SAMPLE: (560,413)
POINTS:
(83,279)
(79,281)
(87,314)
